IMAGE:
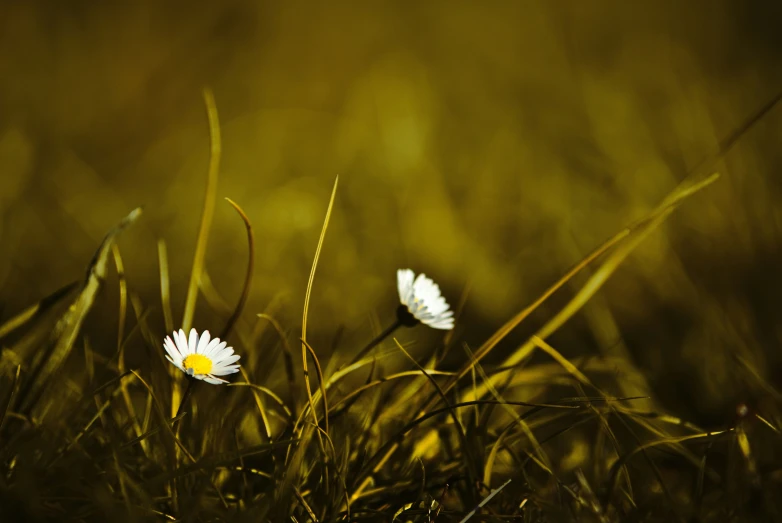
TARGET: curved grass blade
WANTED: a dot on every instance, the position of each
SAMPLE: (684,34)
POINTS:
(207,211)
(37,310)
(511,324)
(673,199)
(60,344)
(248,278)
(603,273)
(165,287)
(305,315)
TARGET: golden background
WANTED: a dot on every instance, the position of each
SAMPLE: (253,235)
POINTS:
(490,145)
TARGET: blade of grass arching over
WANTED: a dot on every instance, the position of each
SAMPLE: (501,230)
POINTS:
(248,278)
(28,348)
(606,270)
(726,144)
(50,358)
(385,379)
(294,458)
(677,195)
(610,265)
(511,324)
(336,377)
(305,315)
(207,211)
(212,296)
(559,358)
(123,295)
(36,310)
(604,328)
(165,286)
(259,329)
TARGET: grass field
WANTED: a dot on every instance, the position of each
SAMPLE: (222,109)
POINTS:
(595,191)
(86,437)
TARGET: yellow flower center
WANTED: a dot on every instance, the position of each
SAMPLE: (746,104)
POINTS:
(197,364)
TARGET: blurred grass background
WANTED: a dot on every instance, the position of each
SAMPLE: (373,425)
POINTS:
(489,145)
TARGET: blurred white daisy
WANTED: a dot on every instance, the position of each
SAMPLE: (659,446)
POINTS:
(201,357)
(423,300)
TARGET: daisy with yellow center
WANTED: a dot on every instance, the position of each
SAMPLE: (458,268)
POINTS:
(201,357)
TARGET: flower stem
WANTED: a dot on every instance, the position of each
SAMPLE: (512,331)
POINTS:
(377,340)
(186,397)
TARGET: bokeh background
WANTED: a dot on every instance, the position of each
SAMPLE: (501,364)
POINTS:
(490,145)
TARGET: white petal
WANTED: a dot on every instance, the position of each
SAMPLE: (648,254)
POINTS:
(212,344)
(213,380)
(424,300)
(225,371)
(178,365)
(203,341)
(177,341)
(216,349)
(171,349)
(227,360)
(439,307)
(222,355)
(404,283)
(192,343)
(443,324)
(184,348)
(219,370)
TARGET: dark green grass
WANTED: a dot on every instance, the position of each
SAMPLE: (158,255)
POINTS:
(85,436)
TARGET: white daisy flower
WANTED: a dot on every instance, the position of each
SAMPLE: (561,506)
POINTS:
(422,298)
(200,356)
